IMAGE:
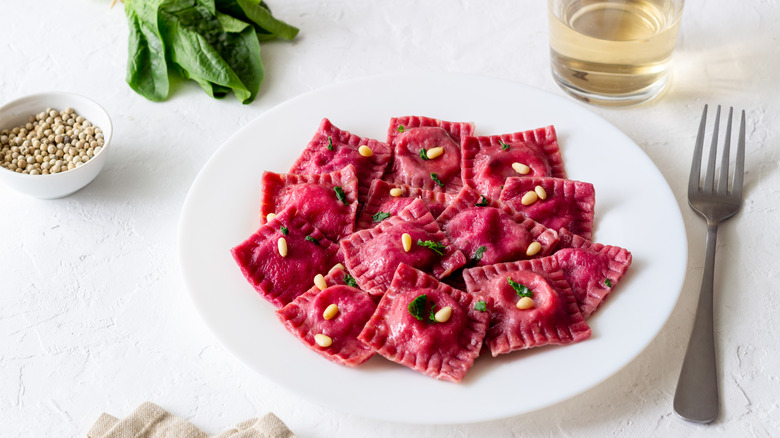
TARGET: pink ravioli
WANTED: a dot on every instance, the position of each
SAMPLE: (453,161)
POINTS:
(328,201)
(409,136)
(333,149)
(304,318)
(568,204)
(381,201)
(592,269)
(489,232)
(372,255)
(487,161)
(280,279)
(443,350)
(554,318)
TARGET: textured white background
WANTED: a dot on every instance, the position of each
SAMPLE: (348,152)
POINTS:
(93,314)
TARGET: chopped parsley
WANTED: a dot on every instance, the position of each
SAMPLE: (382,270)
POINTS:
(350,281)
(478,255)
(436,247)
(608,282)
(312,240)
(340,194)
(401,128)
(432,315)
(504,146)
(483,201)
(379,217)
(521,290)
(480,306)
(436,179)
(417,307)
(423,154)
(284,230)
(330,143)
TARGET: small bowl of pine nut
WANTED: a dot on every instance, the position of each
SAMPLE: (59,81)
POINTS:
(52,144)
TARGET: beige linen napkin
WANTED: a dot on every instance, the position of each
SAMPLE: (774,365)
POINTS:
(152,421)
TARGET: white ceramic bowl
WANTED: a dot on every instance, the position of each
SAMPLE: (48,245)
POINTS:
(56,185)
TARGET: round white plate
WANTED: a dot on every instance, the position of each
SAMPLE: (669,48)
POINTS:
(635,209)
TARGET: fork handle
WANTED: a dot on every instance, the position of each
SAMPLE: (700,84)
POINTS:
(696,398)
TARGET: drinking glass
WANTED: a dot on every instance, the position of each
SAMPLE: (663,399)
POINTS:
(613,52)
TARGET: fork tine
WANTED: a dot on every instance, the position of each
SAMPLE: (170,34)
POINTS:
(693,181)
(709,177)
(723,179)
(739,169)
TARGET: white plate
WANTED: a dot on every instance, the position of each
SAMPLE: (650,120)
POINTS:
(635,210)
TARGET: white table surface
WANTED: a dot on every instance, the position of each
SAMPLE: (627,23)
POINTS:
(94,316)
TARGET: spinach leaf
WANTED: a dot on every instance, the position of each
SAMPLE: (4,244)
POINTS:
(216,43)
(147,72)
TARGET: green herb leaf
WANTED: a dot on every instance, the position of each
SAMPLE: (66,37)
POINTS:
(483,201)
(436,247)
(432,315)
(423,154)
(478,255)
(608,282)
(504,146)
(340,194)
(216,43)
(330,144)
(436,179)
(312,240)
(350,281)
(284,230)
(521,290)
(379,217)
(417,307)
(401,128)
(480,306)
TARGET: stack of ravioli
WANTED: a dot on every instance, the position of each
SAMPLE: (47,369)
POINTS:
(431,248)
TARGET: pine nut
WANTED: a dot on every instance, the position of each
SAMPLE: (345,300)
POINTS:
(529,198)
(521,168)
(533,249)
(396,192)
(323,341)
(270,216)
(434,152)
(365,151)
(319,281)
(525,303)
(335,267)
(331,311)
(406,240)
(541,192)
(443,315)
(282,244)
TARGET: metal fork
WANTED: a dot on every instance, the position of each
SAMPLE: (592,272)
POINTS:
(696,398)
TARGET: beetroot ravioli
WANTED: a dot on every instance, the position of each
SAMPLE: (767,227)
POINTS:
(553,202)
(533,305)
(428,326)
(328,200)
(386,199)
(592,270)
(329,321)
(489,232)
(373,255)
(332,149)
(282,258)
(418,220)
(426,152)
(488,161)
